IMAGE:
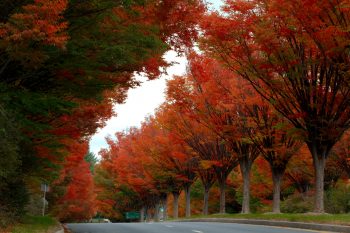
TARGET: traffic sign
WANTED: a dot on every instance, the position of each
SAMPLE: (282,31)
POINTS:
(132,215)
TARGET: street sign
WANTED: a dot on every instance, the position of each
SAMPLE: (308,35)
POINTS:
(132,215)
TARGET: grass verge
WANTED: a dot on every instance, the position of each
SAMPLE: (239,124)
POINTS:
(35,224)
(341,219)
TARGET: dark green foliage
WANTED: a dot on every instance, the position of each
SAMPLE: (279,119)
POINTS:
(9,148)
(92,160)
(337,199)
(255,203)
(232,205)
(13,193)
(13,198)
(197,190)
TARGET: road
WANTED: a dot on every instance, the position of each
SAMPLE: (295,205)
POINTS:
(177,227)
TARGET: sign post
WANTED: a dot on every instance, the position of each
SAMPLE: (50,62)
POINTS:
(44,188)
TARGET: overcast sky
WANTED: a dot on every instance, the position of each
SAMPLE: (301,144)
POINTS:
(141,101)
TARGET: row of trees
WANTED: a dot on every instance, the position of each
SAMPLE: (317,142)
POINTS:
(63,65)
(297,60)
(213,121)
(271,80)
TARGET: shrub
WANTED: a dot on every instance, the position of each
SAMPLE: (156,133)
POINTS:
(337,199)
(13,198)
(297,203)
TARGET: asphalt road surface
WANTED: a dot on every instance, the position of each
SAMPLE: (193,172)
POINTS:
(178,227)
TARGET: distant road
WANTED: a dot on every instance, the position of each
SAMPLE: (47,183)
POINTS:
(178,227)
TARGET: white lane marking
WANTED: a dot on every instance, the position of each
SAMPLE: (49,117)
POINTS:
(169,226)
(197,231)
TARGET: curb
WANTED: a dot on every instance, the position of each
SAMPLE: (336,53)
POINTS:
(61,230)
(301,225)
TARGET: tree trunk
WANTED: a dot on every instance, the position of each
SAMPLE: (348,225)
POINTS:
(142,214)
(156,212)
(165,207)
(148,214)
(175,205)
(277,179)
(245,170)
(222,185)
(188,200)
(319,165)
(206,200)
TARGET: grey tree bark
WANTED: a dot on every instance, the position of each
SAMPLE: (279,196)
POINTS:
(188,200)
(142,214)
(222,186)
(156,212)
(206,200)
(148,214)
(277,179)
(165,207)
(319,157)
(175,205)
(245,167)
(319,165)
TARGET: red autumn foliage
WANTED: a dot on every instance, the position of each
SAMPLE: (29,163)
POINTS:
(77,203)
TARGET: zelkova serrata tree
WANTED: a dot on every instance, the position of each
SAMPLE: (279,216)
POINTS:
(270,132)
(171,164)
(173,122)
(275,144)
(208,148)
(212,105)
(187,97)
(296,59)
(132,172)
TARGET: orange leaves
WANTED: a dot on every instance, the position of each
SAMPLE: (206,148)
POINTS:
(152,67)
(179,20)
(78,201)
(40,21)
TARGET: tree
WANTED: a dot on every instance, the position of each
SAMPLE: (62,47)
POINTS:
(272,134)
(167,117)
(299,65)
(214,100)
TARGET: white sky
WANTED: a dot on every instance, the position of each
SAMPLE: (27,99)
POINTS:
(141,101)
